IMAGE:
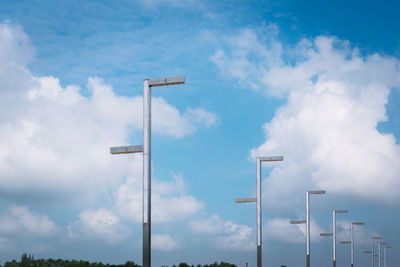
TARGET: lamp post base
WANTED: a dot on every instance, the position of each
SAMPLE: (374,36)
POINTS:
(334,263)
(308,260)
(146,245)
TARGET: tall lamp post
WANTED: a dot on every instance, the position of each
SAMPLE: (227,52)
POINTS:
(333,234)
(384,255)
(352,240)
(146,149)
(373,245)
(258,201)
(379,252)
(307,221)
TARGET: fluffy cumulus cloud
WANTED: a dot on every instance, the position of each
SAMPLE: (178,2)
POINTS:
(99,224)
(54,140)
(225,235)
(327,129)
(170,200)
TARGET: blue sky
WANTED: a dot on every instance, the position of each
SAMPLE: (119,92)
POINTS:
(315,81)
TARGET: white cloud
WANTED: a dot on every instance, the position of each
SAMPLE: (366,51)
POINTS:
(164,242)
(327,128)
(246,60)
(201,116)
(55,141)
(225,235)
(99,224)
(169,200)
(15,47)
(281,229)
(19,220)
(169,121)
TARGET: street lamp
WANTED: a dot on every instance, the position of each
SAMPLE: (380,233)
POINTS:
(333,234)
(384,255)
(146,149)
(345,242)
(352,240)
(257,199)
(373,244)
(370,252)
(307,221)
(379,252)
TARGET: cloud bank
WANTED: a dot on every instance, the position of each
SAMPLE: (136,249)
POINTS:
(54,145)
(55,141)
(327,129)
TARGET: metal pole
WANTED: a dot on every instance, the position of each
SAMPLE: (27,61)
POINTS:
(384,256)
(146,174)
(379,254)
(373,261)
(334,236)
(352,245)
(308,227)
(259,240)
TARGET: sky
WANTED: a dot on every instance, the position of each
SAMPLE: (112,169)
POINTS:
(317,82)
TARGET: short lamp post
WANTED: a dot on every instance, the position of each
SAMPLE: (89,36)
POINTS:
(146,149)
(257,199)
(308,222)
(379,252)
(333,234)
(352,240)
(373,249)
(385,256)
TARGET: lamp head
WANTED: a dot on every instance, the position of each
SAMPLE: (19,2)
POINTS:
(317,192)
(298,222)
(275,158)
(341,211)
(166,81)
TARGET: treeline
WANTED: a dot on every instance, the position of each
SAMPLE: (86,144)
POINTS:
(29,261)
